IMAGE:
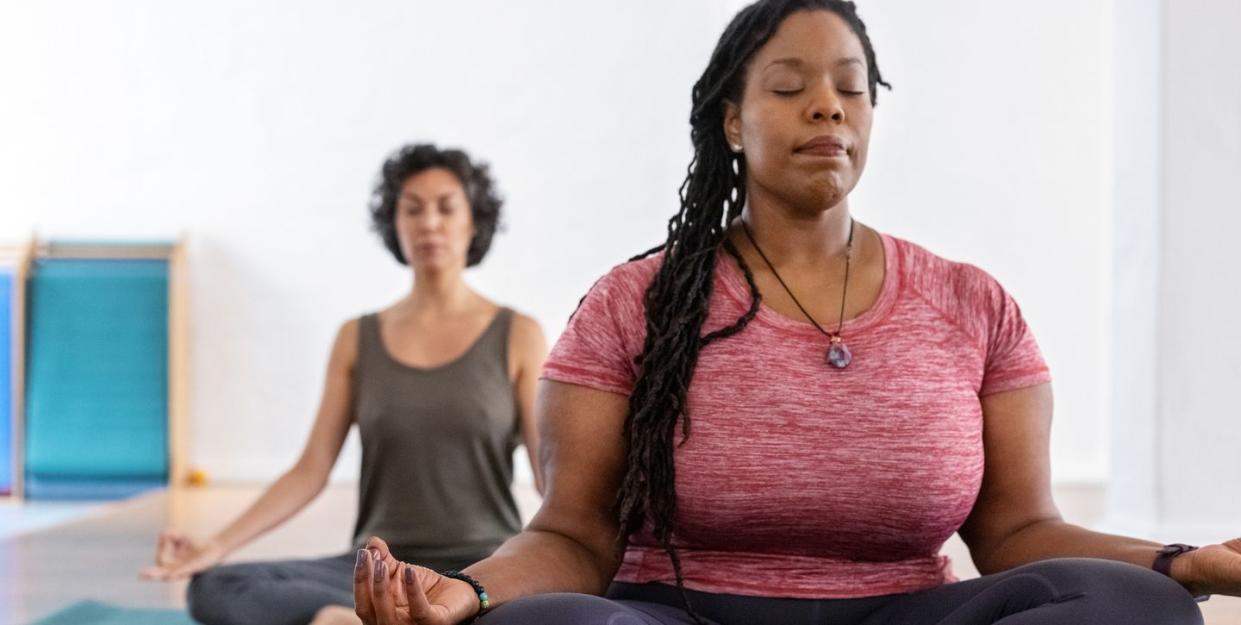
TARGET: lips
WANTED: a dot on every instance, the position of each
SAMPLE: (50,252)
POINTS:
(824,145)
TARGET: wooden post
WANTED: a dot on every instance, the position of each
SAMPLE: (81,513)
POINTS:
(178,365)
(19,256)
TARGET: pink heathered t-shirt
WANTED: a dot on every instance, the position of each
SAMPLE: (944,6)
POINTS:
(801,480)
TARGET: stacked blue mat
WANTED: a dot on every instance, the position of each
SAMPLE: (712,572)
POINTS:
(96,378)
(96,613)
(6,381)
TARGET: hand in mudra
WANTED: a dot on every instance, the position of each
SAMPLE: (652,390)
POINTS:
(387,591)
(177,557)
(1213,570)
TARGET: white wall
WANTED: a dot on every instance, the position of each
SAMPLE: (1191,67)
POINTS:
(1200,427)
(257,127)
(1136,268)
(1176,465)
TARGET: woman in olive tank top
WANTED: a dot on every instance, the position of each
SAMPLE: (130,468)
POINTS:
(441,386)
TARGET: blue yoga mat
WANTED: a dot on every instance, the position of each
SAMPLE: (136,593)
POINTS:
(95,613)
(96,378)
(6,381)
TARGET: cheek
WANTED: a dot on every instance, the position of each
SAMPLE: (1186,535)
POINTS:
(463,229)
(859,159)
(765,138)
(402,224)
(865,118)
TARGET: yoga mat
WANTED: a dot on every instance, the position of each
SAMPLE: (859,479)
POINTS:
(6,380)
(89,488)
(96,377)
(96,613)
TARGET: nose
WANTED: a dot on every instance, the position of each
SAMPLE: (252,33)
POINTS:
(428,221)
(825,105)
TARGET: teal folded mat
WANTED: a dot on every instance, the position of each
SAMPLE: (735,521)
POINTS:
(6,381)
(95,613)
(78,488)
(96,377)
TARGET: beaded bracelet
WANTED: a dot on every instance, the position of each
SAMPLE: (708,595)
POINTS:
(483,601)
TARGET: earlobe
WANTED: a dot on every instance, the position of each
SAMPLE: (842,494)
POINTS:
(732,125)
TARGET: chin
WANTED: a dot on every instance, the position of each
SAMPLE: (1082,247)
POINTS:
(440,265)
(825,194)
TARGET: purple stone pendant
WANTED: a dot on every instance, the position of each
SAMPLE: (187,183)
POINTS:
(839,355)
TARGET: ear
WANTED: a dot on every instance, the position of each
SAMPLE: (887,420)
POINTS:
(732,123)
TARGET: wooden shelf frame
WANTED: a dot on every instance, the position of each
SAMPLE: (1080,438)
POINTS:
(22,257)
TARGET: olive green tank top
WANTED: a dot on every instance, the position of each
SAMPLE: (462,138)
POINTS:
(437,448)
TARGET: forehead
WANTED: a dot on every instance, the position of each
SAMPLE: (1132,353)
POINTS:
(812,37)
(430,184)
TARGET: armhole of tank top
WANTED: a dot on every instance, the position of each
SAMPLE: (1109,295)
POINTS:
(366,329)
(506,342)
(515,436)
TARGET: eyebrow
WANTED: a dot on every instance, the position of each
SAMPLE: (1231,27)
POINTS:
(796,62)
(414,198)
(787,61)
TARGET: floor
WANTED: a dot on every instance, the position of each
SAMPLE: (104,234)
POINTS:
(97,551)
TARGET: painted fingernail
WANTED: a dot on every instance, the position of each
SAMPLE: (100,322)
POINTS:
(409,575)
(379,569)
(361,564)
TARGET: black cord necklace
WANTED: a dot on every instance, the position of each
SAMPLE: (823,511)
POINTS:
(838,355)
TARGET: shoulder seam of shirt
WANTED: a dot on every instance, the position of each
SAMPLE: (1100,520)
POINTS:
(979,345)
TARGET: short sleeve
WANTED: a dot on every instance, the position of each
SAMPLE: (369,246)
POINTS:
(605,334)
(1013,359)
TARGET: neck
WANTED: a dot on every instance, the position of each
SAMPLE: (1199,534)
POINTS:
(439,292)
(796,238)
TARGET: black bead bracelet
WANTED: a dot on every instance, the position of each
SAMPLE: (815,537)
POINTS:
(483,601)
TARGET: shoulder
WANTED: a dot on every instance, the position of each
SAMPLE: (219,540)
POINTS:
(628,280)
(947,284)
(525,333)
(345,345)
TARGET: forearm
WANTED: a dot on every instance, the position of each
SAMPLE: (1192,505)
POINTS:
(540,561)
(284,498)
(1056,539)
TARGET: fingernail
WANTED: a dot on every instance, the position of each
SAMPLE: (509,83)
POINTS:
(361,564)
(379,569)
(409,575)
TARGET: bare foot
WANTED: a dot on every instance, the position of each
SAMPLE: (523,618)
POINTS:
(336,615)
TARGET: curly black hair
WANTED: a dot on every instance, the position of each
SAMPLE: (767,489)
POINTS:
(712,195)
(414,159)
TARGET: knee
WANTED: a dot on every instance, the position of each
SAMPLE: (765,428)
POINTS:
(202,597)
(1120,587)
(1081,574)
(562,609)
(211,593)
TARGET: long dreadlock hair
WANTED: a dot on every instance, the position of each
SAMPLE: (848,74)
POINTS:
(712,195)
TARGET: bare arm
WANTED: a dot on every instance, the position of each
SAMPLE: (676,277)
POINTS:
(177,557)
(1015,520)
(527,352)
(571,544)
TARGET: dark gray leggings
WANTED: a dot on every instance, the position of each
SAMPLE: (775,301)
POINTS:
(288,592)
(1069,591)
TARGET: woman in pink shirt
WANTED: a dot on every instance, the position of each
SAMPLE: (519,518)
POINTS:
(780,415)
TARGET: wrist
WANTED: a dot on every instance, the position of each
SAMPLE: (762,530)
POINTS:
(469,608)
(481,601)
(214,545)
(1178,562)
